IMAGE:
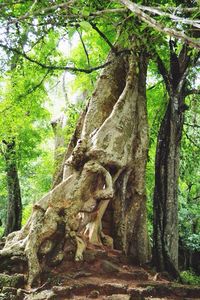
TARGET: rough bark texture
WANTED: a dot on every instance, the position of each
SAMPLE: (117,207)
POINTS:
(129,204)
(14,206)
(165,248)
(104,172)
(165,193)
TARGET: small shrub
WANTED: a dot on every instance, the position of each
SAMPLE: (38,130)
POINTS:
(189,277)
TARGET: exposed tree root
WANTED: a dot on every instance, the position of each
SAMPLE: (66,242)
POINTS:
(63,203)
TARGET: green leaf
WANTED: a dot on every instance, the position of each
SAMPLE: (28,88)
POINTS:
(85,25)
(85,12)
(75,10)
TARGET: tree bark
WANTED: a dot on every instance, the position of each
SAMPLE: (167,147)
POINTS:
(14,207)
(129,205)
(165,249)
(104,172)
(165,236)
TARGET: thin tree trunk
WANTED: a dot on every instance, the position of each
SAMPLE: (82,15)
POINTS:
(14,207)
(165,236)
(165,250)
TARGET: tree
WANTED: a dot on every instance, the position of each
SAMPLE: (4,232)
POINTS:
(165,251)
(188,171)
(189,186)
(105,163)
(98,172)
(14,210)
(18,134)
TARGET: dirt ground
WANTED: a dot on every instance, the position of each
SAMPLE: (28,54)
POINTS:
(101,275)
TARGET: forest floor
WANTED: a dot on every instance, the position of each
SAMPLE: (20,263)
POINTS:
(101,275)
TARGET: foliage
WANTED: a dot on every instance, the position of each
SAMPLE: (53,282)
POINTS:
(36,180)
(26,213)
(3,197)
(72,114)
(25,119)
(189,277)
(189,188)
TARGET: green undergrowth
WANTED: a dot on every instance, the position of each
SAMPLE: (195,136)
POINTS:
(1,231)
(189,277)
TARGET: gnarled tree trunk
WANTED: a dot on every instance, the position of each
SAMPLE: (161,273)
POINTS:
(103,173)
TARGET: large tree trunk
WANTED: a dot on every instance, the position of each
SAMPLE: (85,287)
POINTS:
(14,206)
(104,173)
(129,205)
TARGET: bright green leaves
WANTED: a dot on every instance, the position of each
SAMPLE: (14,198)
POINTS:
(21,112)
(189,187)
(189,277)
(23,117)
(97,50)
(85,25)
(86,12)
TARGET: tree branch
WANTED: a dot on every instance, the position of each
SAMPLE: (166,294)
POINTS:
(158,26)
(192,92)
(163,71)
(173,17)
(184,59)
(94,26)
(192,125)
(5,109)
(30,91)
(189,138)
(84,47)
(13,3)
(41,11)
(170,9)
(154,85)
(50,67)
(35,87)
(187,63)
(53,8)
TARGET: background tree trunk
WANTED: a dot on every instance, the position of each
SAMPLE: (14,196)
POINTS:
(165,236)
(14,207)
(165,249)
